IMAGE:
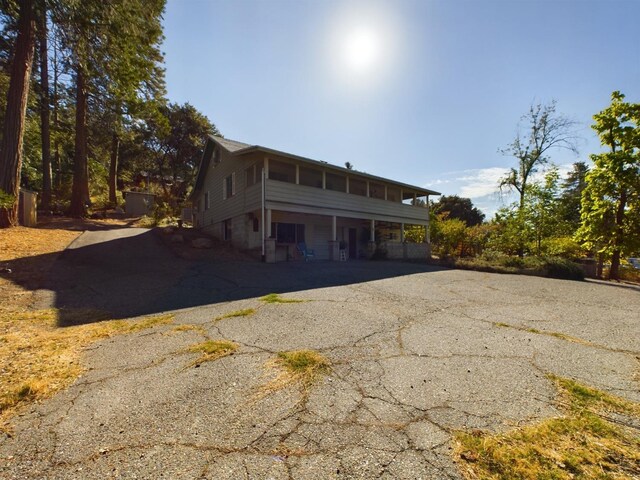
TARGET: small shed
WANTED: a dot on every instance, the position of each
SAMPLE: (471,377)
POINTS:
(27,208)
(138,203)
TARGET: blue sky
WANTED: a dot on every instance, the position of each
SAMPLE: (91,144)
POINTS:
(424,92)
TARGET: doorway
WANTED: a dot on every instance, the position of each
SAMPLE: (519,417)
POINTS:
(353,243)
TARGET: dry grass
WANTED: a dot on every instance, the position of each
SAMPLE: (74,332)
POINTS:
(237,313)
(275,298)
(212,350)
(597,438)
(38,358)
(296,367)
(188,327)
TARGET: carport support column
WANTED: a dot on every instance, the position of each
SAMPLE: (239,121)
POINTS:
(270,243)
(334,246)
(371,246)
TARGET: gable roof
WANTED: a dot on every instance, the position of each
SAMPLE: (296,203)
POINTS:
(239,148)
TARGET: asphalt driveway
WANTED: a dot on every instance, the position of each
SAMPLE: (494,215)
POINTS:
(416,353)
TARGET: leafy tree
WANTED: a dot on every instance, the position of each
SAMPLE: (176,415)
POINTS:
(611,198)
(460,208)
(15,112)
(570,197)
(541,208)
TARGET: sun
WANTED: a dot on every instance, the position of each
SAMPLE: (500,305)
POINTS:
(361,50)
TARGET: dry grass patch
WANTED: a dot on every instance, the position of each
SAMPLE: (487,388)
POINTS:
(597,438)
(237,313)
(212,350)
(38,358)
(275,298)
(187,327)
(301,367)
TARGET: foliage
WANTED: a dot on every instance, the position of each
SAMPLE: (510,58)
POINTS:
(416,233)
(6,199)
(460,208)
(611,199)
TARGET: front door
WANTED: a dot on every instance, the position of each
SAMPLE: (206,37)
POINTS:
(353,243)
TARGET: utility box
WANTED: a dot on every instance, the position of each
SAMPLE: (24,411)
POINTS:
(27,208)
(137,204)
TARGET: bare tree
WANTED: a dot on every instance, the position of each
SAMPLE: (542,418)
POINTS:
(544,129)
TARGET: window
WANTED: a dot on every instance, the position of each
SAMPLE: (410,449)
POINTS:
(393,194)
(250,174)
(357,187)
(288,232)
(310,177)
(216,156)
(256,225)
(229,186)
(284,172)
(376,190)
(206,200)
(227,229)
(336,182)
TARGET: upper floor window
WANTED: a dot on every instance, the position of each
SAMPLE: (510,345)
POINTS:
(357,186)
(336,182)
(250,174)
(376,190)
(393,194)
(206,200)
(285,172)
(310,177)
(229,186)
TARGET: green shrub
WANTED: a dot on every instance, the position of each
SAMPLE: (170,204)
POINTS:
(557,267)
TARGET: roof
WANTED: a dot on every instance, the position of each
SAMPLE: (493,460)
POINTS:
(240,148)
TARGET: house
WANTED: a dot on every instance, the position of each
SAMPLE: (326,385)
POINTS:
(269,201)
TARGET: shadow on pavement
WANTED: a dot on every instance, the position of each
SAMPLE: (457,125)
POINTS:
(138,275)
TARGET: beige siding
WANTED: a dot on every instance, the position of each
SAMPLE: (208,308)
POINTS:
(244,199)
(299,198)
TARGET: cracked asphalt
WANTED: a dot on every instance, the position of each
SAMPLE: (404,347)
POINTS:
(416,352)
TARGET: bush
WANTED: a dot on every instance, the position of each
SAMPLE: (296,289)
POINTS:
(6,199)
(565,247)
(557,267)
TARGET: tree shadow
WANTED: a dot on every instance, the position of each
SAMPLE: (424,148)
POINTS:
(138,275)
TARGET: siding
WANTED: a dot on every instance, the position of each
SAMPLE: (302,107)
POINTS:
(300,198)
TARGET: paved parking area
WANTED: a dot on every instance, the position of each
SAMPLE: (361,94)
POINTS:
(416,354)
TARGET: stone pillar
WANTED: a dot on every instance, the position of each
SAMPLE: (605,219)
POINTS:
(268,223)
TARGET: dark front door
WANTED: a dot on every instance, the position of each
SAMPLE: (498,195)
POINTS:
(353,243)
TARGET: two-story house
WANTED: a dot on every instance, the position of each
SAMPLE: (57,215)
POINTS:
(269,201)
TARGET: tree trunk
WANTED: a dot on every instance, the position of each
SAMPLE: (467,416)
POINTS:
(14,120)
(80,190)
(45,115)
(618,237)
(113,169)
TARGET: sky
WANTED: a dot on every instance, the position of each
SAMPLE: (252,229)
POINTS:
(424,92)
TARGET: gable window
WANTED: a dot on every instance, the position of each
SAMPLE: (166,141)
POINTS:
(229,186)
(216,156)
(206,200)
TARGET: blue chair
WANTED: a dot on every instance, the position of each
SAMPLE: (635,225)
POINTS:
(305,252)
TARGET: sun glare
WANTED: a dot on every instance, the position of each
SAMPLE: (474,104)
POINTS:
(361,50)
(364,45)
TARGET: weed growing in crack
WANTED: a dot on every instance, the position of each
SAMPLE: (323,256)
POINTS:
(237,313)
(596,438)
(212,350)
(301,367)
(275,298)
(188,327)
